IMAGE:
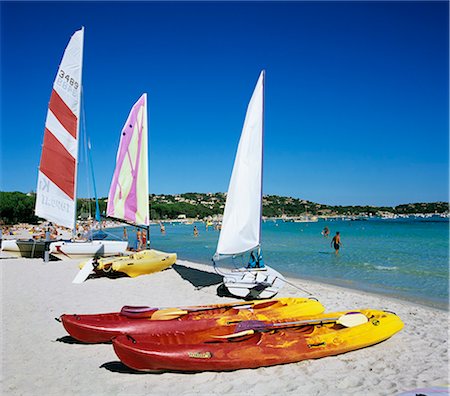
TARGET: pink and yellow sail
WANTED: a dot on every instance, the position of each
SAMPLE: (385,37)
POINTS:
(56,189)
(128,194)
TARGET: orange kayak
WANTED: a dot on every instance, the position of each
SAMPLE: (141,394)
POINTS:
(97,328)
(219,349)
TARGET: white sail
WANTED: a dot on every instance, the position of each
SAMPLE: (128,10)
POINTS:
(56,189)
(241,225)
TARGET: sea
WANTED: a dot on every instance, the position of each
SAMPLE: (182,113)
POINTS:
(406,258)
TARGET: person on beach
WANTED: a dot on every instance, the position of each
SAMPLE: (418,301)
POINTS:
(326,232)
(138,240)
(54,233)
(144,240)
(195,231)
(336,242)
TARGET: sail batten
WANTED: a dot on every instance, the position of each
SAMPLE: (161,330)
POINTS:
(56,189)
(128,194)
(241,225)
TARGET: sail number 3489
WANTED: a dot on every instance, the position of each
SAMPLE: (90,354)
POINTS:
(68,83)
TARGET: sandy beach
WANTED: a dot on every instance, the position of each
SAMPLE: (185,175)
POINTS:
(39,358)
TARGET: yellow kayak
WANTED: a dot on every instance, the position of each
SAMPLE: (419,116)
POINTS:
(224,348)
(139,263)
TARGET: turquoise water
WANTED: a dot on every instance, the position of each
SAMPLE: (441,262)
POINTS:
(408,259)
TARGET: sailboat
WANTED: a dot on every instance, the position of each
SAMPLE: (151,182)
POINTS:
(128,200)
(57,178)
(241,225)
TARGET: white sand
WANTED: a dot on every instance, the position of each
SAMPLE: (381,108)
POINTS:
(34,362)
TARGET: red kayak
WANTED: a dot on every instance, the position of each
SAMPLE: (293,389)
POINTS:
(222,348)
(98,328)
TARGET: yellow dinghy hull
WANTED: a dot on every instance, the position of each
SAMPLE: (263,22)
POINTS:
(139,263)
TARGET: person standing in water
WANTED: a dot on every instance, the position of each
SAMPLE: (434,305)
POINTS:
(195,231)
(336,242)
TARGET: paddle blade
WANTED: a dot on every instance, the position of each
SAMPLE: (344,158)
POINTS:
(168,314)
(352,319)
(235,335)
(253,325)
(84,272)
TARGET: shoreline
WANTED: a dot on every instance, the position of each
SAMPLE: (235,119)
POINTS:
(441,306)
(39,357)
(349,284)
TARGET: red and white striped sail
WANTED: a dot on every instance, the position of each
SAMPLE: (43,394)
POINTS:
(56,189)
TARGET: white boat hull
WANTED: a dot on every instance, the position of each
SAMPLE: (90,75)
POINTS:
(254,283)
(64,249)
(10,245)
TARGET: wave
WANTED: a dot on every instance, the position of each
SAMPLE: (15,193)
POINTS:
(380,267)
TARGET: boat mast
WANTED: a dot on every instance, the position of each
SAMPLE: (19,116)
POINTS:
(74,230)
(262,154)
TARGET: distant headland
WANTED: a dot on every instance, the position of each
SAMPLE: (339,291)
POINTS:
(17,207)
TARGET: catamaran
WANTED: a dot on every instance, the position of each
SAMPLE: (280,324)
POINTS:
(241,225)
(57,177)
(128,200)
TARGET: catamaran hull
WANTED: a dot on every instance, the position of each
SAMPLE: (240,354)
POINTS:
(25,248)
(254,283)
(64,249)
(103,327)
(10,245)
(200,351)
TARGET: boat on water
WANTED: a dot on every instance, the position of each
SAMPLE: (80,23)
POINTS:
(57,176)
(260,344)
(241,226)
(95,328)
(128,200)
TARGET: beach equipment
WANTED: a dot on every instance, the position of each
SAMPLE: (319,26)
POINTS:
(29,248)
(241,226)
(139,263)
(96,328)
(203,351)
(128,199)
(248,327)
(57,176)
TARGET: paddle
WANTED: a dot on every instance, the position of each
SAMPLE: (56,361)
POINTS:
(84,272)
(168,314)
(248,327)
(172,313)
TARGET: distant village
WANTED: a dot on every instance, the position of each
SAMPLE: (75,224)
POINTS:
(211,205)
(17,207)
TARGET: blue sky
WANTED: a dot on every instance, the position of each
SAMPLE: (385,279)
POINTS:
(356,93)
